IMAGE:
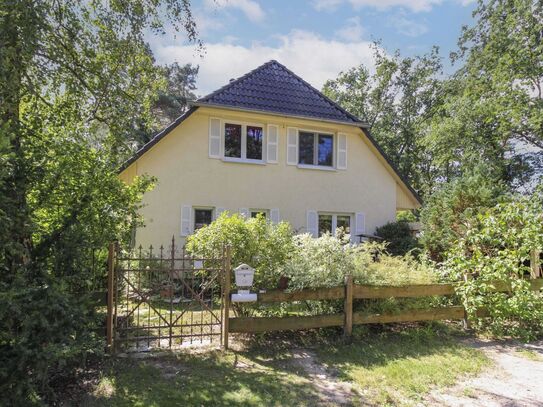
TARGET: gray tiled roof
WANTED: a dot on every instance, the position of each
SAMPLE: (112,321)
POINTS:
(274,88)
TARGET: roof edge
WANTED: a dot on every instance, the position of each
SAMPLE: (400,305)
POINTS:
(279,114)
(159,136)
(415,194)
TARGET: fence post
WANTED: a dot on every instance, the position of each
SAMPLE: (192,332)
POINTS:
(110,298)
(348,307)
(534,264)
(465,321)
(226,296)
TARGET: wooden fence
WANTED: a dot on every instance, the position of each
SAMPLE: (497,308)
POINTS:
(349,292)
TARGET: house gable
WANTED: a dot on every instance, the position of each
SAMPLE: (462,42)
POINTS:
(276,94)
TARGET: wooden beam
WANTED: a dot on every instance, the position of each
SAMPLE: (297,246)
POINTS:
(535,270)
(435,314)
(226,297)
(324,293)
(348,307)
(285,323)
(110,288)
(418,290)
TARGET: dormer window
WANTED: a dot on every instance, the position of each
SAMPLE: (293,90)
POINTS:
(243,142)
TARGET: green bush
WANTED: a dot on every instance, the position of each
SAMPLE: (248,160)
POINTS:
(257,242)
(326,261)
(448,211)
(398,236)
(496,247)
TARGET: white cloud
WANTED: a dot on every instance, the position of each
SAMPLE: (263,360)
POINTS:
(406,26)
(313,58)
(250,8)
(353,31)
(413,5)
(328,5)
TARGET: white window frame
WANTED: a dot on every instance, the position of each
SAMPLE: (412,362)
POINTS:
(334,221)
(316,133)
(243,158)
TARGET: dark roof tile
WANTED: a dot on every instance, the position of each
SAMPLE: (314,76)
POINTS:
(274,88)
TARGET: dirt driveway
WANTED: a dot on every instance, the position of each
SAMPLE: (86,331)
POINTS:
(516,379)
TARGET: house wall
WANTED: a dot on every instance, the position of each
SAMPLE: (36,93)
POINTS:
(187,176)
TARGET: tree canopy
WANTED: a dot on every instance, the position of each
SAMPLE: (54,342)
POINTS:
(76,79)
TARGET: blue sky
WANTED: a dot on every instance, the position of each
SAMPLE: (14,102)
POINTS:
(316,39)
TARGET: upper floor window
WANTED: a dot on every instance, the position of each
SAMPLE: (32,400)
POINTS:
(316,149)
(243,141)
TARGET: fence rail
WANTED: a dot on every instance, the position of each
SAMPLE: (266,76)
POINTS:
(351,291)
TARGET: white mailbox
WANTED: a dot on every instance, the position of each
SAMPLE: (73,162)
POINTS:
(244,278)
(244,275)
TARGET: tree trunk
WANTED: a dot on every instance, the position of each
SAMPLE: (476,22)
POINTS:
(13,185)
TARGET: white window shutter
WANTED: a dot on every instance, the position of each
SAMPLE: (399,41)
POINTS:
(274,215)
(214,138)
(292,146)
(244,212)
(360,223)
(272,144)
(313,223)
(341,151)
(218,212)
(186,220)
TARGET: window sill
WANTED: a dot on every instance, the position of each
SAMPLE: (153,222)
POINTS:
(242,161)
(315,167)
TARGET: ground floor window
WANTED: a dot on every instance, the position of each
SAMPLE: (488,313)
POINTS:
(202,217)
(330,223)
(256,212)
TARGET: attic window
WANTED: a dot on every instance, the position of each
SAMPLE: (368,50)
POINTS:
(316,149)
(243,142)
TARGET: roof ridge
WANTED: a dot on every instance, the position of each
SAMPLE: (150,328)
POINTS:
(240,91)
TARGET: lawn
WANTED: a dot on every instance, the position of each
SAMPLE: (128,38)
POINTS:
(391,367)
(399,367)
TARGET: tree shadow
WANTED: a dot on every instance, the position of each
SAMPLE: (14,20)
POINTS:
(207,379)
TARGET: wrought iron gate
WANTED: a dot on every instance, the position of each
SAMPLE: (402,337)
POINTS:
(166,298)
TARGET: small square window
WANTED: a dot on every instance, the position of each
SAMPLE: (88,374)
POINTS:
(202,217)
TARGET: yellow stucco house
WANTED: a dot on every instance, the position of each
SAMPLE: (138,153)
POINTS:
(269,143)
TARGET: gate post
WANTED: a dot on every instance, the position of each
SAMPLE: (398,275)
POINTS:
(226,296)
(348,307)
(110,288)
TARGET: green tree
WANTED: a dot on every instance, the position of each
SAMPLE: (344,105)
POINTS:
(447,213)
(74,78)
(493,105)
(496,249)
(396,101)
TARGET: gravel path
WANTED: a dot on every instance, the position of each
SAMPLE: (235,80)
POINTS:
(516,379)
